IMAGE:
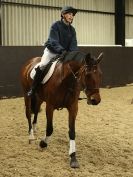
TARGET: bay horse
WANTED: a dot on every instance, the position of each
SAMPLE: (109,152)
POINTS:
(62,90)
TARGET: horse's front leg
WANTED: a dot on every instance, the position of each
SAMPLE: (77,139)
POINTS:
(72,150)
(49,126)
(34,123)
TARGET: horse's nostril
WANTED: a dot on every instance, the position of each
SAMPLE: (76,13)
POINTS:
(94,102)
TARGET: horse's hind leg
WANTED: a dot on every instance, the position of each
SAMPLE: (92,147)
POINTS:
(36,110)
(49,126)
(28,115)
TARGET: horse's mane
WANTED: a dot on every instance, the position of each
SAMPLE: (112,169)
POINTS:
(74,56)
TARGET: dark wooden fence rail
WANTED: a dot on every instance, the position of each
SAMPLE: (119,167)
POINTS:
(117,66)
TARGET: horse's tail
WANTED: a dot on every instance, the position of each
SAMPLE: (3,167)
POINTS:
(33,104)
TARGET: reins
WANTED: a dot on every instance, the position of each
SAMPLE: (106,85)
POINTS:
(74,74)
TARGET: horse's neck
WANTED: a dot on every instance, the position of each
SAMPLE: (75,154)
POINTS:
(73,66)
(71,74)
(68,69)
(81,78)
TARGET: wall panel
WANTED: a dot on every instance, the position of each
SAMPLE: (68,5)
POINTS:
(129,19)
(95,29)
(27,22)
(129,27)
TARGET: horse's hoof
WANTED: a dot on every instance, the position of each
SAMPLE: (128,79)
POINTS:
(74,164)
(43,144)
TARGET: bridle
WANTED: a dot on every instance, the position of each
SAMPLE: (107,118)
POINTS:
(83,69)
(78,75)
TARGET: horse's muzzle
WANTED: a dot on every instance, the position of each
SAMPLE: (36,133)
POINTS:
(94,99)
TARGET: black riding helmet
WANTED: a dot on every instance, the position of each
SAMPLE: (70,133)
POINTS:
(68,9)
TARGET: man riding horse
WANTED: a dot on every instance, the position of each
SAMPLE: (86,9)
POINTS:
(62,39)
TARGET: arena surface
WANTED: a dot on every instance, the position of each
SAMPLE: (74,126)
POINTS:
(104,139)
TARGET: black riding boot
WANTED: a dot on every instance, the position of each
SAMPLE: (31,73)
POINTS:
(37,80)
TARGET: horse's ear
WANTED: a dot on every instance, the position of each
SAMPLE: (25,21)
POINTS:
(100,57)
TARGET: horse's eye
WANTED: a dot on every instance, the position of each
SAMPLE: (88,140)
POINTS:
(95,69)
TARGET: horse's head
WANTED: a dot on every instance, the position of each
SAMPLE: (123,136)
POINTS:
(91,78)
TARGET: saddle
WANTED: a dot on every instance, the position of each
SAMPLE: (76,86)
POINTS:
(50,69)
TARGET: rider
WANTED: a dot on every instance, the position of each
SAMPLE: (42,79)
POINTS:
(62,39)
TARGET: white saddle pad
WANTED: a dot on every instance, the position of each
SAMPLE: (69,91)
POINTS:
(48,75)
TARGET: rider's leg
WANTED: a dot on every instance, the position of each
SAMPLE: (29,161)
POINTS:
(40,71)
(36,81)
(47,56)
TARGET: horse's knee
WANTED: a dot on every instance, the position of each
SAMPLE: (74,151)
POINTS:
(71,134)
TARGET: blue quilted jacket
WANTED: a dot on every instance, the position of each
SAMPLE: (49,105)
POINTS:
(61,38)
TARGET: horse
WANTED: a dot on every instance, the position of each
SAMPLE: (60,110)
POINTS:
(62,90)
